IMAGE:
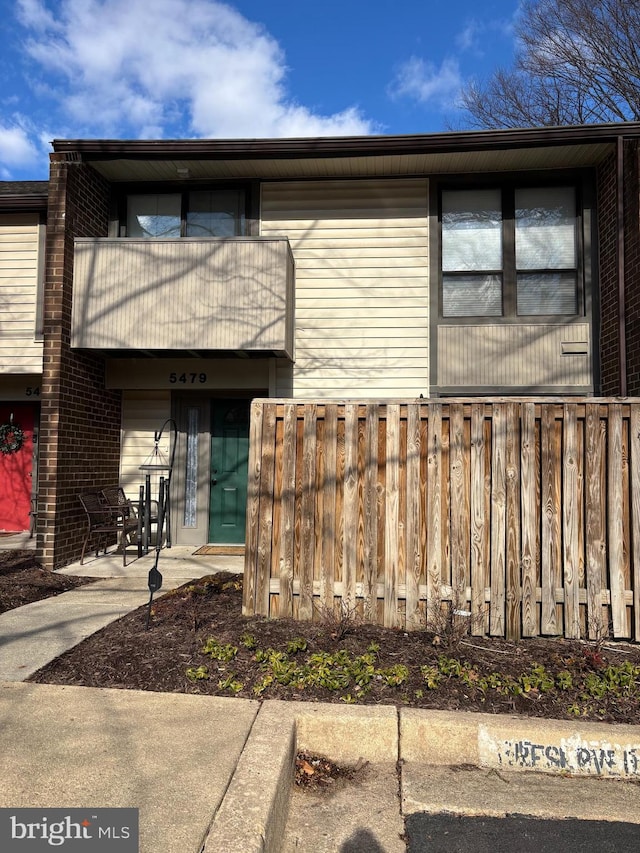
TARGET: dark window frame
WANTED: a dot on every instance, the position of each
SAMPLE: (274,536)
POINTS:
(507,185)
(250,189)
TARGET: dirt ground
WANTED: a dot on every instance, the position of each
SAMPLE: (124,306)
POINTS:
(23,580)
(331,659)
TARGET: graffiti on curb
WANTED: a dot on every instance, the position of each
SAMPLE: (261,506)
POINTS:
(567,755)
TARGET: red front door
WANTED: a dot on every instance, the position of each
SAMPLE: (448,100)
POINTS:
(16,470)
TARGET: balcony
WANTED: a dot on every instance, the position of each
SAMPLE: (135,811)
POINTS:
(184,295)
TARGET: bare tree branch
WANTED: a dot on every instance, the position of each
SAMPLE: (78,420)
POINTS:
(577,62)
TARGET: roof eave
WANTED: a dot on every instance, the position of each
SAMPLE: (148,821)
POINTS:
(347,146)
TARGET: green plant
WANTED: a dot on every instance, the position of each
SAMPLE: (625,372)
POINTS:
(394,675)
(231,684)
(431,675)
(248,641)
(200,673)
(564,680)
(218,651)
(298,644)
(537,679)
(450,666)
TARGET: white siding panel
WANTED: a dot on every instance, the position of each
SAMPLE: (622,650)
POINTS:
(362,288)
(20,353)
(143,412)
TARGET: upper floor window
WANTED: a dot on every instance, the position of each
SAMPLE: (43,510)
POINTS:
(510,252)
(199,213)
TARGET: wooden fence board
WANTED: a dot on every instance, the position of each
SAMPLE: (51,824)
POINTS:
(528,509)
(392,525)
(595,520)
(328,536)
(307,506)
(350,507)
(253,511)
(531,507)
(634,449)
(513,592)
(550,552)
(265,517)
(460,545)
(615,519)
(479,538)
(434,511)
(370,497)
(498,522)
(570,523)
(287,508)
(413,555)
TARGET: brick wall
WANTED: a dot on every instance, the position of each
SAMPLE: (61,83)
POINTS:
(632,266)
(609,302)
(80,420)
(608,272)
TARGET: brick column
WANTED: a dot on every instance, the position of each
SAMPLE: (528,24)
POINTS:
(609,297)
(632,265)
(608,272)
(80,420)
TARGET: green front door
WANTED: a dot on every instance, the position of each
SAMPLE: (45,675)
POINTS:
(229,460)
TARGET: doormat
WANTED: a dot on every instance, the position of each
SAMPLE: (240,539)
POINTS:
(220,551)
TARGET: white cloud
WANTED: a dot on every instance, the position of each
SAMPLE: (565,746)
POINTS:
(17,150)
(169,67)
(424,82)
(478,36)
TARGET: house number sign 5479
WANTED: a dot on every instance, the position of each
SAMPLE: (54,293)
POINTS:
(187,378)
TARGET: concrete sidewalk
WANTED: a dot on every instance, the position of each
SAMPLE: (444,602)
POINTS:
(215,774)
(33,635)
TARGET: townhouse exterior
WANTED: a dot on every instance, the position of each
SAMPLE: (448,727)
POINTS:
(181,279)
(23,208)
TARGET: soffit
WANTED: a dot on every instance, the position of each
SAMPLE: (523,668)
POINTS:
(379,165)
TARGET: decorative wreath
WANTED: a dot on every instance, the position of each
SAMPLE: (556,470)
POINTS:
(11,438)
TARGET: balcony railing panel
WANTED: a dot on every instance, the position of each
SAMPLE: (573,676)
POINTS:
(183,294)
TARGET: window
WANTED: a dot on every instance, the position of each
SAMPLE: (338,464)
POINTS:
(510,252)
(199,213)
(154,215)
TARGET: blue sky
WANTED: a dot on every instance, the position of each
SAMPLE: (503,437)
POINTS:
(135,69)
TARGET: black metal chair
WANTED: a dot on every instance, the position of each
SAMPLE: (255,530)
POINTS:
(104,520)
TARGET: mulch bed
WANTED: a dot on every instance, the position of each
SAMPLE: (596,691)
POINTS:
(23,580)
(125,655)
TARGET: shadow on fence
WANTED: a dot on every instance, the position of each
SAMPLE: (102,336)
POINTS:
(521,515)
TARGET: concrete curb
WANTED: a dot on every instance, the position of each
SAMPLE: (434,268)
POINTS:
(253,814)
(516,743)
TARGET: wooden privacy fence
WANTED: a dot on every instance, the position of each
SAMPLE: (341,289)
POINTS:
(525,513)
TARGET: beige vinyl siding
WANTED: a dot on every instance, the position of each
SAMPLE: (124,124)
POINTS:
(361,254)
(143,412)
(214,294)
(20,237)
(524,355)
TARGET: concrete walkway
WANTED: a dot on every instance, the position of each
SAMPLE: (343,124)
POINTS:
(214,774)
(32,635)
